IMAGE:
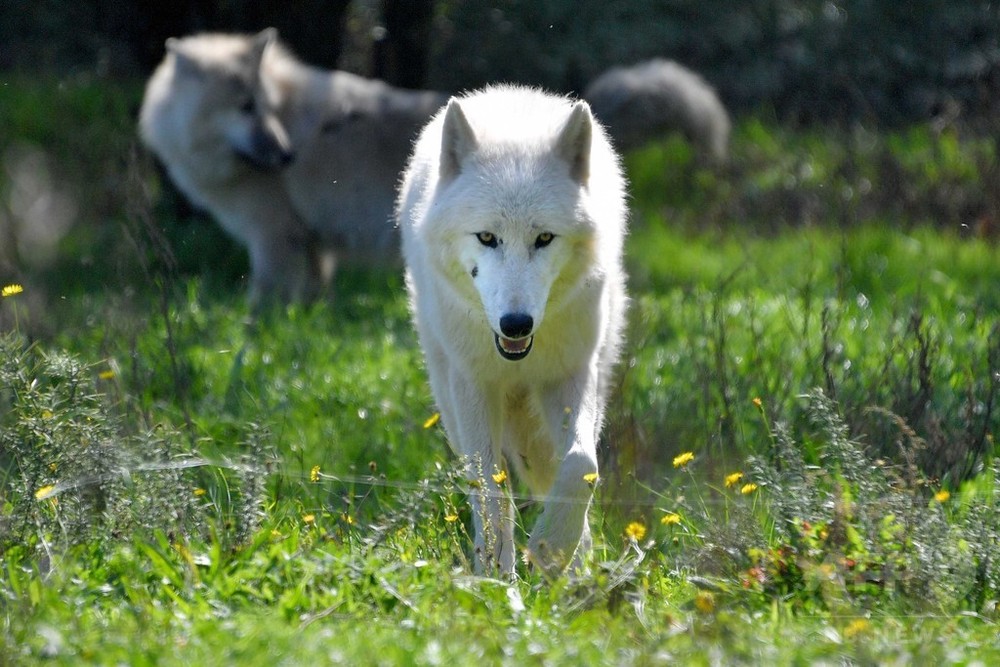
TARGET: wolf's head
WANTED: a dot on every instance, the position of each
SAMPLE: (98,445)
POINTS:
(519,232)
(228,98)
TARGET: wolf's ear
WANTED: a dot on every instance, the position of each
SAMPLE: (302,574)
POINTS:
(184,64)
(262,42)
(573,143)
(457,140)
(265,37)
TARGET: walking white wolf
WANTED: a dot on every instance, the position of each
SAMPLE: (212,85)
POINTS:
(513,215)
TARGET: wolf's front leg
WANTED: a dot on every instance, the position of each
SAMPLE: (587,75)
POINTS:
(477,419)
(573,417)
(286,265)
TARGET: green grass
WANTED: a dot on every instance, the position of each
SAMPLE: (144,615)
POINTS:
(181,482)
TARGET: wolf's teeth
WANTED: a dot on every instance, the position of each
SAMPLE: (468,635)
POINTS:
(514,345)
(514,348)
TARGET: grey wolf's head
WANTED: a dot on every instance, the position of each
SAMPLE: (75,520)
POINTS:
(519,234)
(220,79)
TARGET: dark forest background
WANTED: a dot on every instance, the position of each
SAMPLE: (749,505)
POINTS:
(875,61)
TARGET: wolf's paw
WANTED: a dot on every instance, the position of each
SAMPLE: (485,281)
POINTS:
(497,562)
(540,556)
(550,555)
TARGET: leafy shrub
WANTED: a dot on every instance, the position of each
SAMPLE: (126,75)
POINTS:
(73,471)
(816,522)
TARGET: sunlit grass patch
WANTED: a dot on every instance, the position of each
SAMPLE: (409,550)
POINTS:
(798,463)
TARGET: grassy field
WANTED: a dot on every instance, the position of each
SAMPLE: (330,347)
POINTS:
(798,465)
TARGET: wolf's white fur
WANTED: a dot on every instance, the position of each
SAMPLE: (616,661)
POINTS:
(518,164)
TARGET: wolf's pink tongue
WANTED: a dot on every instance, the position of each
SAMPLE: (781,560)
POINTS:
(518,345)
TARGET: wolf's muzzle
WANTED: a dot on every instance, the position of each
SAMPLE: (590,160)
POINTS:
(269,147)
(515,343)
(513,349)
(516,325)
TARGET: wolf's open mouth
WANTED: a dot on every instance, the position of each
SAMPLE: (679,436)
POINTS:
(513,349)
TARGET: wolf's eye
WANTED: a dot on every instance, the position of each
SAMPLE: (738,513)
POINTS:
(488,239)
(248,106)
(544,239)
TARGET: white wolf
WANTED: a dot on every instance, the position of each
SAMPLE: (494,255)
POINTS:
(291,160)
(512,211)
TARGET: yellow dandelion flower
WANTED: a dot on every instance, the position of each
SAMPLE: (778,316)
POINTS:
(733,479)
(857,627)
(500,477)
(314,474)
(348,519)
(942,495)
(106,375)
(682,460)
(590,478)
(747,489)
(309,518)
(11,290)
(432,420)
(635,531)
(704,602)
(200,492)
(757,402)
(451,518)
(47,414)
(671,519)
(185,553)
(45,491)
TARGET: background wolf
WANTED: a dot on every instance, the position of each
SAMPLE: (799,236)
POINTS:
(301,164)
(655,97)
(293,161)
(512,215)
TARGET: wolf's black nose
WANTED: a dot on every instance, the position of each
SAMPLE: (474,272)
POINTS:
(516,325)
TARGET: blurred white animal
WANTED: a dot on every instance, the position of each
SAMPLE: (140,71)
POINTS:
(291,160)
(655,97)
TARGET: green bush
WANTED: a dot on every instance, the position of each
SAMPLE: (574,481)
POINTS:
(76,471)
